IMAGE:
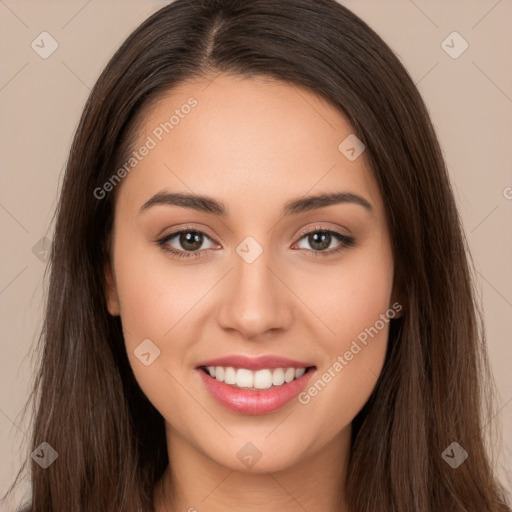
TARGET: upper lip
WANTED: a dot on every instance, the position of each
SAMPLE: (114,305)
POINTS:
(255,363)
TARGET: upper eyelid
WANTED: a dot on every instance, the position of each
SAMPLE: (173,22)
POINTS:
(185,229)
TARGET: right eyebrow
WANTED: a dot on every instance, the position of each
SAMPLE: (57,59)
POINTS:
(194,201)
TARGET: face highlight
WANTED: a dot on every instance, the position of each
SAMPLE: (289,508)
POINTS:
(257,269)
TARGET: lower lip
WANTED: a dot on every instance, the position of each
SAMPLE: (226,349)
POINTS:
(247,401)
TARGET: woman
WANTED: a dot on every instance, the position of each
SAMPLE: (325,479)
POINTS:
(202,352)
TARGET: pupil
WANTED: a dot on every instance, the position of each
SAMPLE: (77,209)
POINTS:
(190,240)
(325,240)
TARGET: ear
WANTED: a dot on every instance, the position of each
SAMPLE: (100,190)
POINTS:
(111,292)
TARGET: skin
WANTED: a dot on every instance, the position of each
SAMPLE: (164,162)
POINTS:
(253,144)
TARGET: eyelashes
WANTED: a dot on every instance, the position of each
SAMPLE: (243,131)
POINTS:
(164,242)
(317,235)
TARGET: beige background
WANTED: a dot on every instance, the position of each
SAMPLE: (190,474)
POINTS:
(469,98)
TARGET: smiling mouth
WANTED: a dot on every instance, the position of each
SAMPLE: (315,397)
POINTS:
(255,380)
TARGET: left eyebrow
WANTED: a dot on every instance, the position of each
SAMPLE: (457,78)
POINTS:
(309,203)
(209,205)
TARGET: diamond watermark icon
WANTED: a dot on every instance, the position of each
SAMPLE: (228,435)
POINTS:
(454,45)
(41,250)
(351,147)
(44,455)
(44,45)
(454,455)
(249,249)
(249,454)
(146,352)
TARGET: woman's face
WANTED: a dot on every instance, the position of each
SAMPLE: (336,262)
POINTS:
(254,294)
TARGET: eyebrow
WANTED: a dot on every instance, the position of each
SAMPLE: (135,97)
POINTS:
(209,205)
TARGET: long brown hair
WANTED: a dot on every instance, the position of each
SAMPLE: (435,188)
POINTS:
(431,393)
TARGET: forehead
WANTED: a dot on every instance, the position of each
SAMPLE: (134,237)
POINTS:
(245,140)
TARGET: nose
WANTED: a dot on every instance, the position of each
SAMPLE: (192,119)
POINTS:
(255,300)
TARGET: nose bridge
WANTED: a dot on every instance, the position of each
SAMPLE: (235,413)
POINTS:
(254,301)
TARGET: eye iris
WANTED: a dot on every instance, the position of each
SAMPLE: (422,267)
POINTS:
(320,240)
(190,240)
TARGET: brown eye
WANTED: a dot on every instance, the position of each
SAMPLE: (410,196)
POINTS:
(319,240)
(184,242)
(190,241)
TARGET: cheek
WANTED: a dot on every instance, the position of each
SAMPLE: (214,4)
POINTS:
(353,294)
(356,307)
(159,301)
(154,294)
(154,303)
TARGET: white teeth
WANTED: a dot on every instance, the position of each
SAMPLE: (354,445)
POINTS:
(244,378)
(219,373)
(299,372)
(278,377)
(289,374)
(230,375)
(260,379)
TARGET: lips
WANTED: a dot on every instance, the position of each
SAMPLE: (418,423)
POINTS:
(249,385)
